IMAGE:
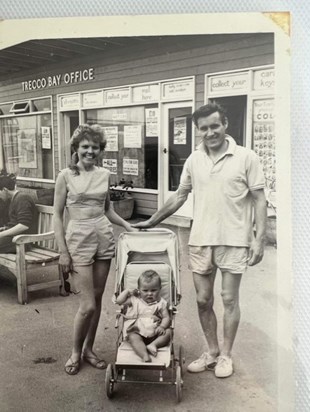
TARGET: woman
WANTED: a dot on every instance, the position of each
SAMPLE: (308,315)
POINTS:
(87,246)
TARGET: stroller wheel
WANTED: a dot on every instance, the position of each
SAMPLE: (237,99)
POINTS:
(181,359)
(109,381)
(178,383)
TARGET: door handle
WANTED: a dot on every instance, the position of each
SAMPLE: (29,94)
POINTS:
(165,150)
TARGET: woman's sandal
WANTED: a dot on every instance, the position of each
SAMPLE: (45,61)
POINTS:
(95,362)
(73,367)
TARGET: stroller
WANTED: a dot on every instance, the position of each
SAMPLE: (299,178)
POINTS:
(155,249)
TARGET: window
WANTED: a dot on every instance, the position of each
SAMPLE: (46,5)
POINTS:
(132,148)
(27,146)
(21,107)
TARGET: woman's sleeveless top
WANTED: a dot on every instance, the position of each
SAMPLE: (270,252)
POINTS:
(88,189)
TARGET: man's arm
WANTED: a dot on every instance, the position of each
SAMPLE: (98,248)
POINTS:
(260,214)
(14,231)
(175,201)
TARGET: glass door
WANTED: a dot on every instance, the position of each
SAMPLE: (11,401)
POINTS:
(177,146)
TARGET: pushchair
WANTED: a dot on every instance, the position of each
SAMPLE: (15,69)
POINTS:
(155,249)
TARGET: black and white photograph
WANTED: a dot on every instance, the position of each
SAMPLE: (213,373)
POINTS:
(145,256)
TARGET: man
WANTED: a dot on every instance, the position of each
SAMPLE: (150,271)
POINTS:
(227,182)
(22,213)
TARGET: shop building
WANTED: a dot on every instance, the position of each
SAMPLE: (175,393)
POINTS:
(142,90)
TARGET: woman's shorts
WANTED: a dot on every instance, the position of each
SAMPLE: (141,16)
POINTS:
(89,240)
(204,259)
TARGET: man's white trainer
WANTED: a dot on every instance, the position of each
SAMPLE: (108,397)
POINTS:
(205,362)
(224,367)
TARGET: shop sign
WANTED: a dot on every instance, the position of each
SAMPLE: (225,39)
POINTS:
(71,101)
(264,79)
(130,167)
(111,134)
(180,89)
(117,96)
(133,136)
(111,165)
(78,76)
(93,99)
(229,82)
(145,93)
(263,110)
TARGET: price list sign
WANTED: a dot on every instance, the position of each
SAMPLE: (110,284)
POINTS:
(264,138)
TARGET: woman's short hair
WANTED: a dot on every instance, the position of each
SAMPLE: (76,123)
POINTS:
(90,132)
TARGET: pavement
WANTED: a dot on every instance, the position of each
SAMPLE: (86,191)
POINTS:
(35,343)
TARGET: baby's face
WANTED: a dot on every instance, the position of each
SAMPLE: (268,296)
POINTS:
(149,291)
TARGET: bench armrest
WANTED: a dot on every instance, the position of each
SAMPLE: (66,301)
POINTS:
(22,239)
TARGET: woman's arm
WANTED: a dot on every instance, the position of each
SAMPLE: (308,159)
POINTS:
(59,206)
(114,217)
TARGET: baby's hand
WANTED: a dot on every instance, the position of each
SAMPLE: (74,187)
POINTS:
(135,292)
(160,330)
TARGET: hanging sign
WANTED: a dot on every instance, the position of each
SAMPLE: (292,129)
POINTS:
(133,136)
(229,82)
(130,167)
(46,137)
(151,122)
(145,93)
(111,134)
(179,130)
(179,89)
(264,79)
(263,110)
(93,99)
(111,165)
(117,96)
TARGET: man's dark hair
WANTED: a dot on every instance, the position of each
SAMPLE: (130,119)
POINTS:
(208,109)
(7,181)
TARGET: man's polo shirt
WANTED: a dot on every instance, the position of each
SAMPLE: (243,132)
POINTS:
(221,192)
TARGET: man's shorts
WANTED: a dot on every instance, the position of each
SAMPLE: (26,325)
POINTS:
(204,259)
(89,240)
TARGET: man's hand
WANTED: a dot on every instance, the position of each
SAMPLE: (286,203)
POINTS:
(256,252)
(143,225)
(65,262)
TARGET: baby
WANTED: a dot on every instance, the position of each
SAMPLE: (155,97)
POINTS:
(147,318)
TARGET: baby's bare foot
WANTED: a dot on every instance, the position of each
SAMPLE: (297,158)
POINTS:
(152,349)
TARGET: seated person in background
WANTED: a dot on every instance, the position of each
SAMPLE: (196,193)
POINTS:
(147,318)
(23,214)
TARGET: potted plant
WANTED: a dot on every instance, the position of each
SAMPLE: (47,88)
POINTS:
(122,201)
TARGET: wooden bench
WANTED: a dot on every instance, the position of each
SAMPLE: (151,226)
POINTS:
(40,262)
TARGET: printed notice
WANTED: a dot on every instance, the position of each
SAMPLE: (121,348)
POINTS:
(133,136)
(130,167)
(179,130)
(111,134)
(151,122)
(111,165)
(46,137)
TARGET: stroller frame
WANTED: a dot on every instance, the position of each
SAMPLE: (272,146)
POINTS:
(169,363)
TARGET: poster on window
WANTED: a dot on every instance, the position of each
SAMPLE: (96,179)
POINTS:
(27,149)
(179,130)
(46,137)
(111,165)
(131,167)
(133,136)
(151,122)
(111,134)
